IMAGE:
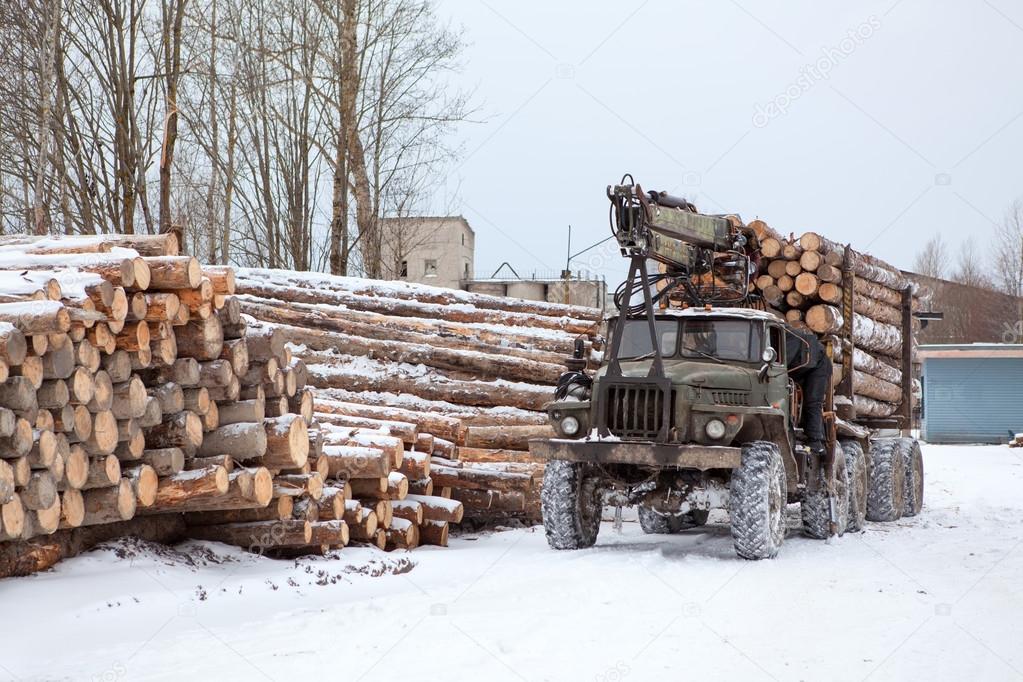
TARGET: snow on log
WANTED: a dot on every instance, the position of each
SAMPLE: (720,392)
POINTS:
(506,437)
(480,479)
(469,415)
(364,374)
(436,424)
(865,362)
(868,333)
(144,244)
(514,341)
(870,386)
(414,308)
(417,292)
(868,407)
(486,365)
(36,317)
(439,508)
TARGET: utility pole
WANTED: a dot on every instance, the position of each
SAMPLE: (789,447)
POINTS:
(566,274)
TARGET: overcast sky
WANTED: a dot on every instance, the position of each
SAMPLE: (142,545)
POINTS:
(875,123)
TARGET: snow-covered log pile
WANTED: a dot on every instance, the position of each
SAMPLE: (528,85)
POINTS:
(133,400)
(802,280)
(457,376)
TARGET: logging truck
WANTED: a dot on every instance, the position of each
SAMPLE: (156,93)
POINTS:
(692,407)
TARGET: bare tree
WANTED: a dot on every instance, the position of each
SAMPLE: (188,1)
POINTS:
(47,55)
(233,119)
(173,14)
(393,114)
(1008,252)
(970,269)
(933,259)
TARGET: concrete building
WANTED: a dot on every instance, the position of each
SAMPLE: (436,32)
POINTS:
(435,250)
(972,393)
(440,251)
(576,290)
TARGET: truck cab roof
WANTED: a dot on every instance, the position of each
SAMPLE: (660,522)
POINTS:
(736,313)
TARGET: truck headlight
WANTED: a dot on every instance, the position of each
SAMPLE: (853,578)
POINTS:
(570,426)
(715,429)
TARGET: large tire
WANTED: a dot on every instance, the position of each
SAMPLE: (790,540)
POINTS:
(859,484)
(757,504)
(655,523)
(571,503)
(886,496)
(913,462)
(816,506)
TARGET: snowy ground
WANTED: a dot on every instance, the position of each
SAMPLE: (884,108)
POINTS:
(936,597)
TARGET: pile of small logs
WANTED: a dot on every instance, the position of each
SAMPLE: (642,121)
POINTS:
(461,378)
(134,398)
(802,280)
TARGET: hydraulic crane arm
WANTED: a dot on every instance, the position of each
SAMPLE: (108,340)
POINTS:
(707,258)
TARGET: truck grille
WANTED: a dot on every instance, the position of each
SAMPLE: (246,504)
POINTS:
(739,398)
(637,411)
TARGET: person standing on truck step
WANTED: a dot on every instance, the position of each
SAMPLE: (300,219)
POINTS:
(808,363)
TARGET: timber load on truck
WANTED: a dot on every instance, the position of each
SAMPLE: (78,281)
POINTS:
(866,309)
(695,405)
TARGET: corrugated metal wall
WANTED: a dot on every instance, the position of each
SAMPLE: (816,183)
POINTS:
(972,400)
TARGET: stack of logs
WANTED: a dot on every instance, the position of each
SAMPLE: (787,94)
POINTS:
(460,376)
(802,280)
(134,399)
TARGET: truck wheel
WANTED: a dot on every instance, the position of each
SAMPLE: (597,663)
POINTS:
(886,495)
(571,503)
(913,462)
(856,470)
(816,506)
(757,505)
(655,523)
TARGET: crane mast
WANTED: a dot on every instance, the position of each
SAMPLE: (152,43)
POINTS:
(704,259)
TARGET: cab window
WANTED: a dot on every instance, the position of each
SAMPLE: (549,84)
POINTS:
(636,338)
(722,338)
(777,340)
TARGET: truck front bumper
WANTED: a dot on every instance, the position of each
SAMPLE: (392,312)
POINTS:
(643,453)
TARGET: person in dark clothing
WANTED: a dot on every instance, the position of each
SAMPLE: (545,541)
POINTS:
(809,364)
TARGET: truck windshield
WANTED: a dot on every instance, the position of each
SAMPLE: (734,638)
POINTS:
(636,338)
(723,339)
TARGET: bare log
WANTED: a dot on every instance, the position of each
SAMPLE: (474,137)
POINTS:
(181,430)
(200,339)
(108,505)
(174,272)
(243,441)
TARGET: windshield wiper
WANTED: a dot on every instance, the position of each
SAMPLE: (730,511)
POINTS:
(708,355)
(645,356)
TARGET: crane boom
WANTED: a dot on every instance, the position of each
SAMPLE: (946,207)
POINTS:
(708,259)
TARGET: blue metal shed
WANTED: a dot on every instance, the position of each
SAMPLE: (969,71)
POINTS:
(972,393)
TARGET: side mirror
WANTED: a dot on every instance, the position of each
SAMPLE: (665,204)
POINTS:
(768,357)
(579,350)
